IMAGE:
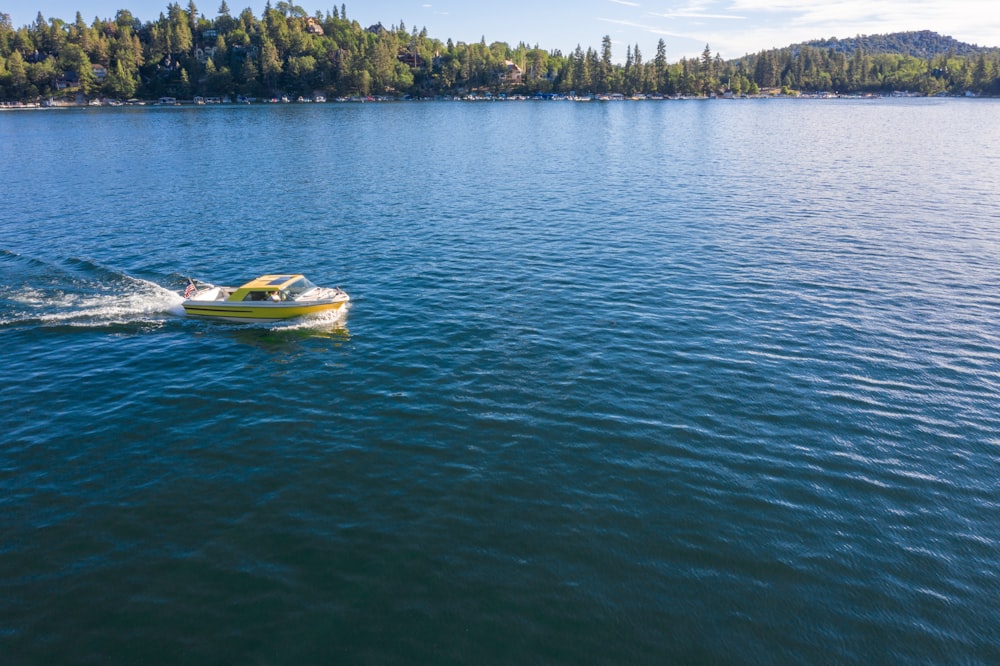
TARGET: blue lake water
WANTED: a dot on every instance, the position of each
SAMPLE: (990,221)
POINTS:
(631,382)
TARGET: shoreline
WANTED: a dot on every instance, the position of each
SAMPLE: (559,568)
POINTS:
(110,103)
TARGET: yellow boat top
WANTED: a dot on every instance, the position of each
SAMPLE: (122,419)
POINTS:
(271,281)
(283,287)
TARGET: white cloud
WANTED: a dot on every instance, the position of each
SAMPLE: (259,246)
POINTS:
(700,9)
(686,13)
(961,18)
(765,24)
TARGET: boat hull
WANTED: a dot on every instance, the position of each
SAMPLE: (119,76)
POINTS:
(256,312)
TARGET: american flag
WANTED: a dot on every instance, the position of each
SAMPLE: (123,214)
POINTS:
(189,290)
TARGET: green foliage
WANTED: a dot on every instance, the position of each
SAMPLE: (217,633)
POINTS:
(923,44)
(120,83)
(286,51)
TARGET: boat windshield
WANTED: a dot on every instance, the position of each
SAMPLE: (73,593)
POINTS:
(299,287)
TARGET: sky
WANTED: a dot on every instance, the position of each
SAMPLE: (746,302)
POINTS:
(731,28)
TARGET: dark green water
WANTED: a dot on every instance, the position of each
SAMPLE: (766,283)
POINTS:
(620,383)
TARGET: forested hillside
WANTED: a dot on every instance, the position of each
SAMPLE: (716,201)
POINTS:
(184,53)
(920,44)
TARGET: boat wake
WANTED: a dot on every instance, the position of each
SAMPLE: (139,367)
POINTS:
(81,293)
(321,322)
(78,292)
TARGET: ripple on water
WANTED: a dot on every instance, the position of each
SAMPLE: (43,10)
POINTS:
(611,387)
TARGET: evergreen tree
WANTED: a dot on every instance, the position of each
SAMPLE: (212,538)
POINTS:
(591,65)
(6,32)
(185,84)
(17,75)
(179,37)
(604,80)
(248,77)
(660,66)
(224,23)
(277,52)
(638,74)
(270,65)
(120,83)
(706,73)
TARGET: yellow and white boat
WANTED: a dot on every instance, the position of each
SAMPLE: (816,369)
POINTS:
(267,298)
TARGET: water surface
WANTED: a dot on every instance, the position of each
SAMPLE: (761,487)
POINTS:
(630,382)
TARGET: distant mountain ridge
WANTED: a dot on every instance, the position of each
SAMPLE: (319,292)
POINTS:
(920,44)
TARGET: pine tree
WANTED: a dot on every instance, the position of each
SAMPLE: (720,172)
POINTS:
(17,74)
(604,82)
(639,70)
(706,72)
(660,66)
(270,64)
(120,83)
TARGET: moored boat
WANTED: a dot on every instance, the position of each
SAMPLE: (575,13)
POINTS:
(266,298)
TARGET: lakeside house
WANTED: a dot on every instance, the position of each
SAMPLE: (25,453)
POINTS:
(512,74)
(203,54)
(312,27)
(68,79)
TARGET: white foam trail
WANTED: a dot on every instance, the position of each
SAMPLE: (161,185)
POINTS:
(322,321)
(146,302)
(34,297)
